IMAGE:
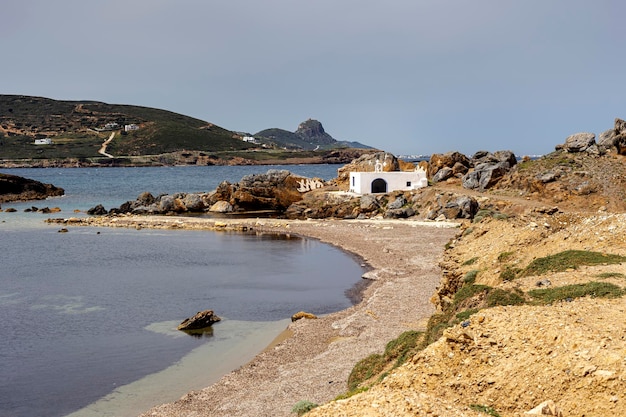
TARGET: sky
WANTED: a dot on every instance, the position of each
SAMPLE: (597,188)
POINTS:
(404,76)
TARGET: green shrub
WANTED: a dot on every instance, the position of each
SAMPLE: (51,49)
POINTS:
(593,289)
(485,409)
(351,393)
(396,353)
(366,369)
(509,273)
(500,297)
(606,275)
(399,349)
(468,231)
(504,256)
(470,276)
(570,259)
(470,261)
(464,315)
(468,291)
(303,407)
(437,323)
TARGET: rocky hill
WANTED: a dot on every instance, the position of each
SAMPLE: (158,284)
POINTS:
(309,135)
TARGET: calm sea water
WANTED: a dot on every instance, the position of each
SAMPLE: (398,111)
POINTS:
(85,313)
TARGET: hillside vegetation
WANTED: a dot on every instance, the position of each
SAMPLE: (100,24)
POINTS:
(78,129)
(133,135)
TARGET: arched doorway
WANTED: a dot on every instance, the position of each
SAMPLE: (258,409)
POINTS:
(379,185)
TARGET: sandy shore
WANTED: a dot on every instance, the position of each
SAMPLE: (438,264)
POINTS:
(314,359)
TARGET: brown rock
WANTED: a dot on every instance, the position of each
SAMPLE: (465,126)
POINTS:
(201,320)
(302,315)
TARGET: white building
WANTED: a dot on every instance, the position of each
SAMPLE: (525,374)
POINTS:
(46,141)
(130,127)
(251,139)
(386,182)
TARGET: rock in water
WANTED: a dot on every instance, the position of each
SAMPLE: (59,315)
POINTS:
(201,320)
(302,315)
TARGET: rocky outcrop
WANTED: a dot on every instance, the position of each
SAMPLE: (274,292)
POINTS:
(275,191)
(201,320)
(454,207)
(609,140)
(14,188)
(312,131)
(444,166)
(619,139)
(489,169)
(578,142)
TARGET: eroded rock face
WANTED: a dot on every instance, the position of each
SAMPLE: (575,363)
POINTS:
(200,320)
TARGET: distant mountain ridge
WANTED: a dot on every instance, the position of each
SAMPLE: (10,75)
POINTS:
(310,135)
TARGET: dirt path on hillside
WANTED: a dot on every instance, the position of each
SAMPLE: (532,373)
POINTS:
(103,148)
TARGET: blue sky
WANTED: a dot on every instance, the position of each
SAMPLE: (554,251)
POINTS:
(405,76)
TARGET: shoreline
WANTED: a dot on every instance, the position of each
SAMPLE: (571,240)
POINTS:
(314,363)
(203,365)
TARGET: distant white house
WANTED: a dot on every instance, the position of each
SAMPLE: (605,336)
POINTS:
(111,126)
(130,127)
(45,141)
(386,182)
(251,139)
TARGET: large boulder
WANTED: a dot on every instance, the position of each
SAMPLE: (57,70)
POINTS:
(274,190)
(200,320)
(455,161)
(489,169)
(485,176)
(484,157)
(578,142)
(619,139)
(171,204)
(98,210)
(221,207)
(443,174)
(454,207)
(606,140)
(193,202)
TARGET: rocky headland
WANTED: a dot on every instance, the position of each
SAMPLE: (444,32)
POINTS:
(497,290)
(14,188)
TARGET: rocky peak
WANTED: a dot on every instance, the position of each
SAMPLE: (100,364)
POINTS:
(312,131)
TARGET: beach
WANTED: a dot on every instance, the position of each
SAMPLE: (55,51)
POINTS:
(314,357)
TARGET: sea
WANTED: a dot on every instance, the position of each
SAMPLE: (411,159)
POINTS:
(88,318)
